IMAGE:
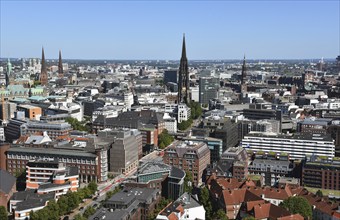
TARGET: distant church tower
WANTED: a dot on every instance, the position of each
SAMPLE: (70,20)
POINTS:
(43,74)
(60,66)
(183,78)
(244,76)
(8,72)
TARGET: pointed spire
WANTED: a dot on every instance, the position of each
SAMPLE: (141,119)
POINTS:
(43,74)
(60,66)
(184,52)
(43,64)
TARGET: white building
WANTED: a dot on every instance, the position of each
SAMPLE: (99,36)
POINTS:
(170,123)
(128,100)
(184,113)
(195,94)
(186,207)
(297,145)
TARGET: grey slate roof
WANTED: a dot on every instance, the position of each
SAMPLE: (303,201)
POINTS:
(31,200)
(7,181)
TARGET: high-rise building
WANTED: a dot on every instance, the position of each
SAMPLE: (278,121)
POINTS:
(43,74)
(208,89)
(60,66)
(170,76)
(8,73)
(183,77)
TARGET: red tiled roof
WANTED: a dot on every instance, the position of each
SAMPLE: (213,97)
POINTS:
(323,204)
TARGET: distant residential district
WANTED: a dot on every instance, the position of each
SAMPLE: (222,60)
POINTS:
(169,140)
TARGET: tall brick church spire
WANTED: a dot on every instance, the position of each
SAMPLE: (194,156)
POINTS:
(183,79)
(43,74)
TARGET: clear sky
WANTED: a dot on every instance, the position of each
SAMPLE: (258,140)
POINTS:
(154,29)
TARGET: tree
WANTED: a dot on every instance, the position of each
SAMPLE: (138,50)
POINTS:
(63,205)
(88,212)
(93,187)
(298,205)
(53,210)
(188,182)
(319,193)
(204,198)
(220,215)
(3,213)
(165,139)
(77,125)
(79,217)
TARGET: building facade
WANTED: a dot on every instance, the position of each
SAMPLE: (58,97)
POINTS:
(297,145)
(190,157)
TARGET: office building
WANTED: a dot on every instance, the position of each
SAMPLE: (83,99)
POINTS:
(31,112)
(51,176)
(296,145)
(54,130)
(321,172)
(184,113)
(190,157)
(214,145)
(208,89)
(123,153)
(170,76)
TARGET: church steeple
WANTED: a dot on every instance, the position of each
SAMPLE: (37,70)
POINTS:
(244,74)
(43,74)
(183,78)
(60,66)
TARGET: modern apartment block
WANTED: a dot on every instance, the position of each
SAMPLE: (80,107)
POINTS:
(321,172)
(92,166)
(51,176)
(190,157)
(296,145)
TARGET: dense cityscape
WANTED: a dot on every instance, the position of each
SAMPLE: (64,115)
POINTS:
(233,139)
(169,110)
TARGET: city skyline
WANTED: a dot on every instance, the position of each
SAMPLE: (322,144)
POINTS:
(147,30)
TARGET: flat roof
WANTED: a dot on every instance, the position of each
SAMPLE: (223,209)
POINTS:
(51,151)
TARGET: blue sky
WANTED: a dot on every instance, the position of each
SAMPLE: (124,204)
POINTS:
(154,29)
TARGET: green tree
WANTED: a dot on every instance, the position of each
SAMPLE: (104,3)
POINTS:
(319,193)
(77,125)
(188,182)
(92,187)
(165,139)
(3,213)
(53,210)
(88,212)
(298,205)
(220,215)
(73,200)
(63,205)
(184,124)
(79,217)
(204,198)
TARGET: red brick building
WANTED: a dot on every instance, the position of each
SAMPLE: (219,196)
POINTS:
(188,156)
